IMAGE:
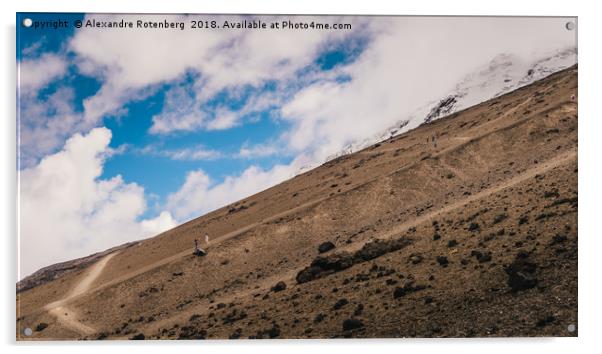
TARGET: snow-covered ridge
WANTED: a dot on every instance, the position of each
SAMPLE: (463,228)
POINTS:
(504,73)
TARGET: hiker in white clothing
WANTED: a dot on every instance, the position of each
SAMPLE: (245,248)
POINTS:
(197,250)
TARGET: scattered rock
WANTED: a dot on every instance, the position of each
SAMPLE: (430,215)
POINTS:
(521,273)
(558,238)
(236,334)
(325,247)
(351,324)
(139,336)
(407,289)
(325,265)
(546,321)
(499,218)
(274,331)
(319,318)
(452,243)
(340,303)
(482,257)
(415,258)
(41,326)
(279,286)
(473,226)
(442,260)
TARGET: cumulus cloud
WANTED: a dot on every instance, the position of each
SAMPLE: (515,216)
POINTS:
(199,194)
(259,150)
(45,124)
(34,74)
(67,211)
(224,119)
(192,153)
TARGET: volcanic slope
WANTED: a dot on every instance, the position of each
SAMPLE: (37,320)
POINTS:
(473,234)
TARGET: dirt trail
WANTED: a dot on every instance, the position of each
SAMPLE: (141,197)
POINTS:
(559,160)
(67,316)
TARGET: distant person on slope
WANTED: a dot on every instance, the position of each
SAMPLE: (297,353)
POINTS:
(206,239)
(197,250)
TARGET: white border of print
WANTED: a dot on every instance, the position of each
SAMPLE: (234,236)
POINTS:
(589,147)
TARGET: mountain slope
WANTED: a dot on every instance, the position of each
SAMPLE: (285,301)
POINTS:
(475,235)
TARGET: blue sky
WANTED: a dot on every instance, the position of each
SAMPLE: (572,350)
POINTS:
(127,133)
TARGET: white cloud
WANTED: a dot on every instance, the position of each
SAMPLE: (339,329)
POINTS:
(193,153)
(34,74)
(44,125)
(66,211)
(224,119)
(260,150)
(159,224)
(198,195)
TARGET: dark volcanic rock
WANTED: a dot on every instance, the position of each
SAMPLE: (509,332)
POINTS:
(319,318)
(191,332)
(442,260)
(340,303)
(546,321)
(41,326)
(322,266)
(499,218)
(271,333)
(139,336)
(325,247)
(482,257)
(274,332)
(521,273)
(236,334)
(473,227)
(279,286)
(351,324)
(406,289)
(558,238)
(377,248)
(325,265)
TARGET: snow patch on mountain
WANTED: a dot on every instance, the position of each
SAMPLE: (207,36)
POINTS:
(504,73)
